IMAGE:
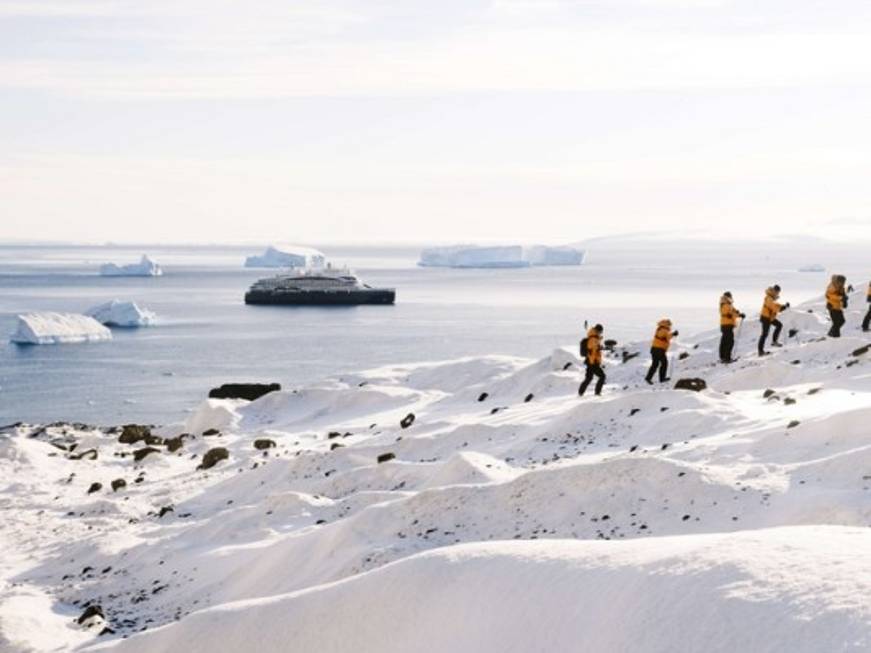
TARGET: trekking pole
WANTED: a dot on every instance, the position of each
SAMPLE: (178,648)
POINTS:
(737,340)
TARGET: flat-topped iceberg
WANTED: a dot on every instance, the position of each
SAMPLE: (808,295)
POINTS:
(119,313)
(145,268)
(54,328)
(287,256)
(499,256)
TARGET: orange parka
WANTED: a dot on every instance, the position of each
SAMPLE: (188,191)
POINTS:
(662,337)
(728,313)
(835,294)
(770,307)
(594,347)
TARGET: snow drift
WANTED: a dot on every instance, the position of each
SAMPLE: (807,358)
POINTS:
(145,268)
(53,328)
(471,505)
(509,256)
(122,314)
(287,256)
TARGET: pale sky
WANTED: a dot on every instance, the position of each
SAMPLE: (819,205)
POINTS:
(439,120)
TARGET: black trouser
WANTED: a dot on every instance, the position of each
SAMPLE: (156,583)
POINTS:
(659,362)
(727,342)
(593,369)
(766,325)
(837,322)
(866,323)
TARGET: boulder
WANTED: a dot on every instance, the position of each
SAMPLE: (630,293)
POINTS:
(174,444)
(696,385)
(87,454)
(118,483)
(95,487)
(384,457)
(90,612)
(213,456)
(247,391)
(140,454)
(133,433)
(264,443)
(407,421)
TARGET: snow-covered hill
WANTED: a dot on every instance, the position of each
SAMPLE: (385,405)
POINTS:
(469,505)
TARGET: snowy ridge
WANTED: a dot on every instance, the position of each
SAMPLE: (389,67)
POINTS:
(736,518)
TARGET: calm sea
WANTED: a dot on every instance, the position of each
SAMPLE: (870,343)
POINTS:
(208,336)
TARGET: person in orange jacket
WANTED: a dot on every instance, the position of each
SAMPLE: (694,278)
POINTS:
(768,317)
(591,348)
(729,316)
(866,323)
(836,302)
(659,360)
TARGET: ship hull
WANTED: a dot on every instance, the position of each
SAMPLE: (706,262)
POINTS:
(322,298)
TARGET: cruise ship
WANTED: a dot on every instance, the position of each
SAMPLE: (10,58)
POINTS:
(317,287)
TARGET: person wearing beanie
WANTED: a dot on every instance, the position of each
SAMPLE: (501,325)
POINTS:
(768,317)
(836,302)
(729,316)
(591,350)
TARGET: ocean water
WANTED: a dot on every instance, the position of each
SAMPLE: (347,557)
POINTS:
(208,336)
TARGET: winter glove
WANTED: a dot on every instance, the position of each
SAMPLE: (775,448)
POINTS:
(786,306)
(743,315)
(675,333)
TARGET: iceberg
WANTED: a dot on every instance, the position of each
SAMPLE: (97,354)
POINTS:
(119,313)
(145,268)
(287,256)
(503,256)
(54,328)
(813,267)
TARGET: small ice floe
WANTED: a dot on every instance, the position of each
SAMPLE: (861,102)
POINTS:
(145,268)
(54,328)
(119,313)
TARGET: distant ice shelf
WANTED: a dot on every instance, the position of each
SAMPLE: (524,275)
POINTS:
(145,268)
(287,256)
(54,328)
(499,256)
(119,313)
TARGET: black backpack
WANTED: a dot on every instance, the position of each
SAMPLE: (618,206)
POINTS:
(584,350)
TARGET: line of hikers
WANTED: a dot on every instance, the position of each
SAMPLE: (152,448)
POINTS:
(836,302)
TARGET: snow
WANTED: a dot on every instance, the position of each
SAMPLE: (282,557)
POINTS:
(513,516)
(508,256)
(287,256)
(53,328)
(122,314)
(145,268)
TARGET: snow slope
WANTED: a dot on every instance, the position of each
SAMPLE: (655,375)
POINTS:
(53,328)
(507,515)
(145,268)
(122,314)
(286,256)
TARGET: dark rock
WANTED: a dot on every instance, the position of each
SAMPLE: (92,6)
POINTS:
(793,424)
(210,432)
(213,456)
(90,611)
(333,434)
(792,333)
(248,391)
(768,393)
(528,398)
(118,483)
(696,385)
(87,454)
(407,421)
(264,443)
(107,631)
(567,366)
(336,445)
(629,355)
(609,345)
(164,510)
(140,454)
(813,391)
(683,356)
(133,433)
(176,443)
(95,487)
(634,411)
(384,457)
(789,401)
(483,396)
(862,350)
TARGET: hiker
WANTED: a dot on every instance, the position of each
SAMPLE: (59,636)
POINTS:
(836,302)
(728,318)
(591,350)
(866,323)
(768,318)
(659,359)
